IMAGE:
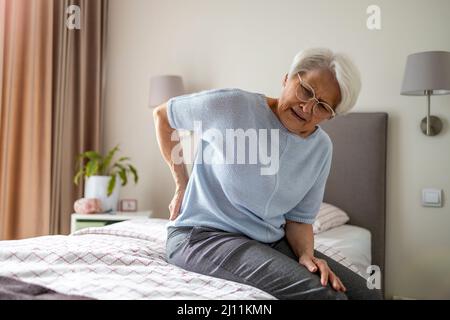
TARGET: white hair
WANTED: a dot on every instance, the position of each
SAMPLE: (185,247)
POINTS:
(339,64)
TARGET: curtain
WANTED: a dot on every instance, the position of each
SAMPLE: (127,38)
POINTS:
(51,81)
(79,59)
(25,117)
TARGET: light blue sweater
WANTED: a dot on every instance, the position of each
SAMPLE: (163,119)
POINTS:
(251,197)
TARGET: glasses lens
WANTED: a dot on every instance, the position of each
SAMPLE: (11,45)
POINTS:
(304,93)
(321,111)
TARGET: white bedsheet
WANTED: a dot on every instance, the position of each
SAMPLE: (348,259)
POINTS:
(121,261)
(352,242)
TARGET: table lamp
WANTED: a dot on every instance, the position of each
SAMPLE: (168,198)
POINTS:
(164,87)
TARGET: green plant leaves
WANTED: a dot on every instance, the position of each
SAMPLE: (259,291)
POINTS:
(91,155)
(122,172)
(99,165)
(107,160)
(123,177)
(92,167)
(134,171)
(111,185)
(77,177)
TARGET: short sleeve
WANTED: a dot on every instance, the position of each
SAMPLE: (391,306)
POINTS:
(306,210)
(205,106)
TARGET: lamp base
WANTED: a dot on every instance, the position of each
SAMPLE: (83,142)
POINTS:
(435,126)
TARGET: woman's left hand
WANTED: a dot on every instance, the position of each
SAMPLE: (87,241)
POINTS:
(313,264)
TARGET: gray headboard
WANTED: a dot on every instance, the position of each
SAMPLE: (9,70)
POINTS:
(357,181)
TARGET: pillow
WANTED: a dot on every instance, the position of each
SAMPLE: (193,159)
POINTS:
(329,217)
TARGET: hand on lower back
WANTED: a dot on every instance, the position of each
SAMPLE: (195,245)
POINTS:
(175,204)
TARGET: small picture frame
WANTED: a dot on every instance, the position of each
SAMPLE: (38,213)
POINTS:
(128,205)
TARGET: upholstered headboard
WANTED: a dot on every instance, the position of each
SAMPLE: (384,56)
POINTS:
(357,181)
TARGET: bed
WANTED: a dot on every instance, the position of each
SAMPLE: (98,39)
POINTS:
(127,260)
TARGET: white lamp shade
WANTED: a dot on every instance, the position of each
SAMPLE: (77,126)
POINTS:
(164,87)
(428,70)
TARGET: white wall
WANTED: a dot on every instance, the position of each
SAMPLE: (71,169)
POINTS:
(250,44)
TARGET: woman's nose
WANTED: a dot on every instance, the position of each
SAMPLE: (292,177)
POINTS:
(308,106)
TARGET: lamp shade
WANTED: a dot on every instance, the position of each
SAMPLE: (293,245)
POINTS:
(164,87)
(427,71)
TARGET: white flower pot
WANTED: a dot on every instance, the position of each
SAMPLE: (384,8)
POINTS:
(97,187)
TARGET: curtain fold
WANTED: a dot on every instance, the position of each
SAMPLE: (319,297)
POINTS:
(25,117)
(77,101)
(51,81)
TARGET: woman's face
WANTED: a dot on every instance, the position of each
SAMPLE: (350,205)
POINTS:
(298,116)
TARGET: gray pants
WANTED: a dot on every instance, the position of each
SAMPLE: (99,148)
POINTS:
(273,267)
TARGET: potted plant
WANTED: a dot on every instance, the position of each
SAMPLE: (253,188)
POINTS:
(101,173)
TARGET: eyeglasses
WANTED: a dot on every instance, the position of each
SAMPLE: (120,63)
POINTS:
(305,93)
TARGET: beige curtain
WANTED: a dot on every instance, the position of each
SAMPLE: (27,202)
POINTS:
(51,81)
(25,117)
(77,101)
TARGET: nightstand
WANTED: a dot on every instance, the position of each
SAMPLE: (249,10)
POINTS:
(81,221)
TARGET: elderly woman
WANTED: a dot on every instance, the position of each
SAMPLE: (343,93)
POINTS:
(228,220)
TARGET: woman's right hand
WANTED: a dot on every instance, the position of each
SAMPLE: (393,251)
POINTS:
(165,135)
(175,204)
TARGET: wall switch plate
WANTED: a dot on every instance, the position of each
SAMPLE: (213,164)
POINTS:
(432,197)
